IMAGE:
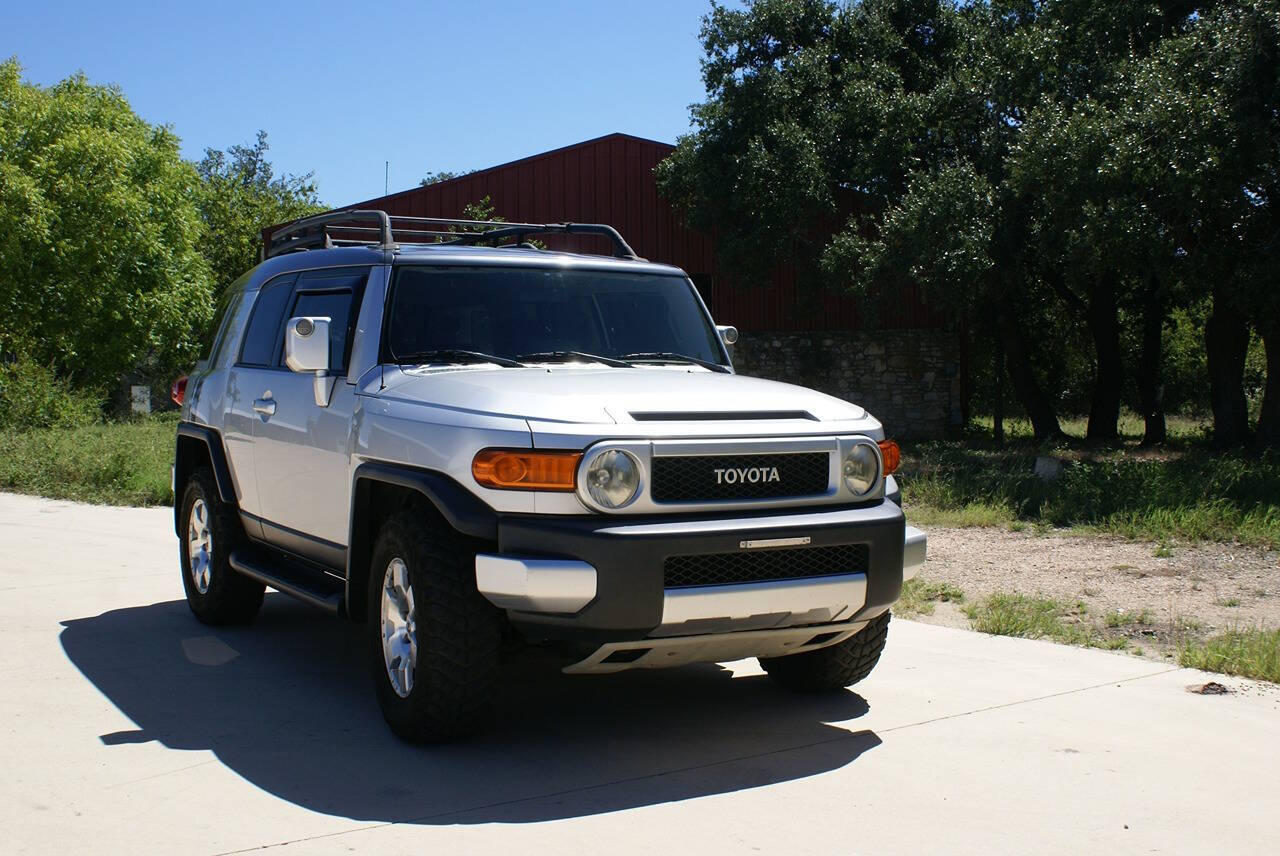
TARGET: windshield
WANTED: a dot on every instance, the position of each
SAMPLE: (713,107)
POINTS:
(514,312)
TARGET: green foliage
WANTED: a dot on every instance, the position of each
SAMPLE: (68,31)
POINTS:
(119,463)
(919,596)
(32,396)
(442,175)
(100,268)
(1251,653)
(1062,175)
(1037,618)
(1194,496)
(240,196)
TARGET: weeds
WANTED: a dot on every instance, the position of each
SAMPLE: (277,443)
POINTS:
(919,596)
(1248,653)
(1036,618)
(1188,494)
(119,463)
(1121,618)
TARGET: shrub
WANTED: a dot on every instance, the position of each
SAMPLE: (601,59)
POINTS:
(32,396)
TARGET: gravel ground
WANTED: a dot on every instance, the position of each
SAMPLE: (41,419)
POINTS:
(1197,589)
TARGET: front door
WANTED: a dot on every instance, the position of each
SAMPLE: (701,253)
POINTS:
(301,449)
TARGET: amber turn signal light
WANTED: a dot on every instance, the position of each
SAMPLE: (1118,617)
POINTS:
(891,455)
(512,469)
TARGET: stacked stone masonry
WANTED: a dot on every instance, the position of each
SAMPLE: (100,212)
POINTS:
(908,379)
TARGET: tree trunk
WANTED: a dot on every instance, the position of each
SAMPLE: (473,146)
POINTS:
(1268,435)
(1226,340)
(1104,325)
(1044,421)
(1150,364)
(997,415)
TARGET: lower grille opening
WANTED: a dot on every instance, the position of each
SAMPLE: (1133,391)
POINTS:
(718,569)
(626,655)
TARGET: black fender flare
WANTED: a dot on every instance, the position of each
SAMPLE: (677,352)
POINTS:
(460,508)
(183,464)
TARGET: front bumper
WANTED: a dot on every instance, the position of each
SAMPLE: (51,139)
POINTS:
(600,579)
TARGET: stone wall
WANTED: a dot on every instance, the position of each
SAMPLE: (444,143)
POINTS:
(908,379)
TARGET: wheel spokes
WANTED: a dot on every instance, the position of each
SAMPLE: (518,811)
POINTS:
(199,546)
(399,637)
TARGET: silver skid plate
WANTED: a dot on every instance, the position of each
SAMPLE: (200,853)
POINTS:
(712,648)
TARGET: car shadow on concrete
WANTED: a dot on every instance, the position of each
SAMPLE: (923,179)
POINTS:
(287,704)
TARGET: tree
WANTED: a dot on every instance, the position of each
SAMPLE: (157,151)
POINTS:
(240,196)
(442,175)
(1034,165)
(100,268)
(890,117)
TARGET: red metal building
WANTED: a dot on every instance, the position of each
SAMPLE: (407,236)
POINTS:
(610,180)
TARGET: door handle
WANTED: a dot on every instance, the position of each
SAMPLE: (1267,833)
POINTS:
(265,406)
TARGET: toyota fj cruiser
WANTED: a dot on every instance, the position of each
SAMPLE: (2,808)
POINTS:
(477,441)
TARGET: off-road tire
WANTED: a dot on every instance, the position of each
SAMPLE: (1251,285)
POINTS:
(231,597)
(459,633)
(834,667)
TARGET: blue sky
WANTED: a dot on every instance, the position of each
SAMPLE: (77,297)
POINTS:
(340,88)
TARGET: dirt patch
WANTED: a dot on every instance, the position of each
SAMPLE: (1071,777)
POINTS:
(1152,600)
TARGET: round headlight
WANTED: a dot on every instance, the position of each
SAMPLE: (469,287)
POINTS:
(861,469)
(613,477)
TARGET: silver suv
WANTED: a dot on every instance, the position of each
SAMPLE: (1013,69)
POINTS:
(475,443)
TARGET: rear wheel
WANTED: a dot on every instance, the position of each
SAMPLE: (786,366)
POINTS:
(834,667)
(433,639)
(216,593)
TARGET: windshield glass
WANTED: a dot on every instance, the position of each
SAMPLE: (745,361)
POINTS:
(509,312)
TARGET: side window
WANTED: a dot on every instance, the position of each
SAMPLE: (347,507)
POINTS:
(336,295)
(259,348)
(228,311)
(337,306)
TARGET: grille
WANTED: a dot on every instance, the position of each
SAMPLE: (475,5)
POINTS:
(694,479)
(718,569)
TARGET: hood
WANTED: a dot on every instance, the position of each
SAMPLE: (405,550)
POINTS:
(571,395)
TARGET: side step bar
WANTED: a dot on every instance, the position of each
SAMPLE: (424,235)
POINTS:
(303,585)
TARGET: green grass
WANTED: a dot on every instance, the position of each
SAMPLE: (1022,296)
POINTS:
(1184,492)
(1248,653)
(1121,618)
(1227,601)
(118,463)
(919,596)
(1038,618)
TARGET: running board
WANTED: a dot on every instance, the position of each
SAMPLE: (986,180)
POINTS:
(301,584)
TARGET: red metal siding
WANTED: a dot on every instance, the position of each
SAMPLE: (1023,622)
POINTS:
(610,180)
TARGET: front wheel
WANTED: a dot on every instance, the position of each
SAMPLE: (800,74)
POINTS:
(433,639)
(834,667)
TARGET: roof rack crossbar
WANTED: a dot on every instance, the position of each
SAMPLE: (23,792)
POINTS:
(519,231)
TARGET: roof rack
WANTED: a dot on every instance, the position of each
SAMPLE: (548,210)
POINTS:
(319,232)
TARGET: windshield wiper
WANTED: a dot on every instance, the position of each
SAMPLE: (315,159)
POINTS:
(544,356)
(455,355)
(669,357)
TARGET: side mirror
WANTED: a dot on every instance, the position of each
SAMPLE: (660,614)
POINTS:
(728,333)
(306,345)
(306,349)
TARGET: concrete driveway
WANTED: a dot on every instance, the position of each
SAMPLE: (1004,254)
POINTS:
(128,727)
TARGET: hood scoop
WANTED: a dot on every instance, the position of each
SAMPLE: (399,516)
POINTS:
(720,415)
